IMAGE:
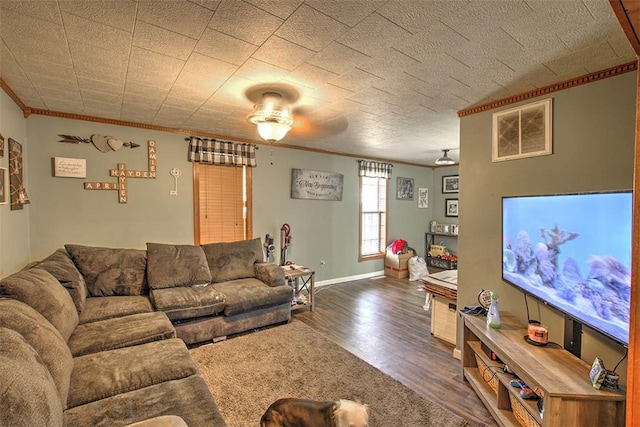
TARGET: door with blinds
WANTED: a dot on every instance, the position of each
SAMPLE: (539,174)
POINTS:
(222,208)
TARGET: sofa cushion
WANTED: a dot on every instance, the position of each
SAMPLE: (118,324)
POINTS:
(120,332)
(108,373)
(111,271)
(176,265)
(246,295)
(28,393)
(40,290)
(101,308)
(271,274)
(188,398)
(60,265)
(233,260)
(188,302)
(45,340)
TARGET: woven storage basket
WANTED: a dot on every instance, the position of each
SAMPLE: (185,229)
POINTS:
(520,412)
(488,373)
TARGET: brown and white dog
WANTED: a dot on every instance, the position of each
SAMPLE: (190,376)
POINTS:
(290,412)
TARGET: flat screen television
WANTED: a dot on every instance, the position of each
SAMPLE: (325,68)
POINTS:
(573,252)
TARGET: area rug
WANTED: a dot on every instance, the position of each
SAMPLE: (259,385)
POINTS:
(247,373)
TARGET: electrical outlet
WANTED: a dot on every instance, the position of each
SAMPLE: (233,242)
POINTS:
(173,192)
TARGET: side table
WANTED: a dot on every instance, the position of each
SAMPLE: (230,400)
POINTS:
(301,279)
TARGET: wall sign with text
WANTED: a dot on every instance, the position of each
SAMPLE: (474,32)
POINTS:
(316,185)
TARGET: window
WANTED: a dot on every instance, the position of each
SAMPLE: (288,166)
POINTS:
(373,217)
(222,211)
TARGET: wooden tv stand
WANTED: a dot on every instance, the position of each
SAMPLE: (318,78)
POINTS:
(569,399)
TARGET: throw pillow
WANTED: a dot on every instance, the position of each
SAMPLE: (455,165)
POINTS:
(45,340)
(169,266)
(40,290)
(27,392)
(60,265)
(233,260)
(111,271)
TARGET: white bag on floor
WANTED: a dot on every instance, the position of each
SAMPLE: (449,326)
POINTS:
(417,268)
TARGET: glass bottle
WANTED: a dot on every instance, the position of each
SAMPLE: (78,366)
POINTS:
(493,315)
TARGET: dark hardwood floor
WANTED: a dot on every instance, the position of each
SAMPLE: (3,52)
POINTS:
(381,320)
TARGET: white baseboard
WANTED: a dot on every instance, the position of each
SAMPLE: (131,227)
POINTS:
(349,278)
(457,354)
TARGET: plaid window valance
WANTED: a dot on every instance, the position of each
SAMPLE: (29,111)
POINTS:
(374,169)
(203,150)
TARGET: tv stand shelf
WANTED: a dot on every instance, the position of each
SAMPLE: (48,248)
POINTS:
(563,379)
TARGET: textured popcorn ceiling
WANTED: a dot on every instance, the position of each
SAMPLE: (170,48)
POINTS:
(376,78)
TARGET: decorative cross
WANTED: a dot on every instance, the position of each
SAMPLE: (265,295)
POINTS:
(123,175)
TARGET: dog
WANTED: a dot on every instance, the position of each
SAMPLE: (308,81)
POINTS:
(290,412)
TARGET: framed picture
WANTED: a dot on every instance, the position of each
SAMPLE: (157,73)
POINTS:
(4,195)
(18,194)
(522,132)
(450,184)
(316,185)
(423,198)
(451,207)
(1,145)
(404,187)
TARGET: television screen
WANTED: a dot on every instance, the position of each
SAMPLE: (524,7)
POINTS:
(573,252)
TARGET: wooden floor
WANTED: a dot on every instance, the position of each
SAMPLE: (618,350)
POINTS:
(381,320)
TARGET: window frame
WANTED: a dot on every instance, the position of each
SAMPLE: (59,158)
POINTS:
(382,228)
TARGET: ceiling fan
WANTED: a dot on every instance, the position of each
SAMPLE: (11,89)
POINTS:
(275,117)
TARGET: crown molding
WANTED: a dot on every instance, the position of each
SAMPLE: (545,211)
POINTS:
(567,84)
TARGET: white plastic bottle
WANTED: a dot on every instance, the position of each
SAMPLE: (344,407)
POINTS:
(493,315)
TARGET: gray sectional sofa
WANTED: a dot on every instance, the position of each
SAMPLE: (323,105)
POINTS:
(96,336)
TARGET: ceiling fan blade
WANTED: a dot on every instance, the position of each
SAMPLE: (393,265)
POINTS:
(306,126)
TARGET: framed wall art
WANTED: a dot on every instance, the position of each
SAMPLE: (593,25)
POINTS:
(423,198)
(316,185)
(404,188)
(66,167)
(18,193)
(1,145)
(523,131)
(451,207)
(4,193)
(450,184)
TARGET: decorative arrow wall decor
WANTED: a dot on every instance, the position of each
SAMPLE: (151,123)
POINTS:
(101,142)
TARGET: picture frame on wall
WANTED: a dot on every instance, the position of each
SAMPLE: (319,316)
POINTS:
(404,188)
(451,207)
(423,198)
(1,145)
(4,184)
(450,184)
(521,132)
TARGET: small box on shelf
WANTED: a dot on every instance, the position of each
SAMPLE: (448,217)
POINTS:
(442,263)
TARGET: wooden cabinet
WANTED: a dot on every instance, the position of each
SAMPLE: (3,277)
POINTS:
(563,379)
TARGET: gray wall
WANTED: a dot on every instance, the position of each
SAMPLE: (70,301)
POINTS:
(61,211)
(593,150)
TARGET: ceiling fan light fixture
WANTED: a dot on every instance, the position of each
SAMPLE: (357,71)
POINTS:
(272,131)
(273,119)
(445,160)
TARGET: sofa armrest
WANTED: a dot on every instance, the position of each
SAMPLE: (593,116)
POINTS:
(161,421)
(271,274)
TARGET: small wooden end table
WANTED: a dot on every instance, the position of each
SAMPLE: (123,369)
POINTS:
(300,279)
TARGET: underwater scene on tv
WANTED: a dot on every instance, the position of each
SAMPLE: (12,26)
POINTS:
(573,252)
